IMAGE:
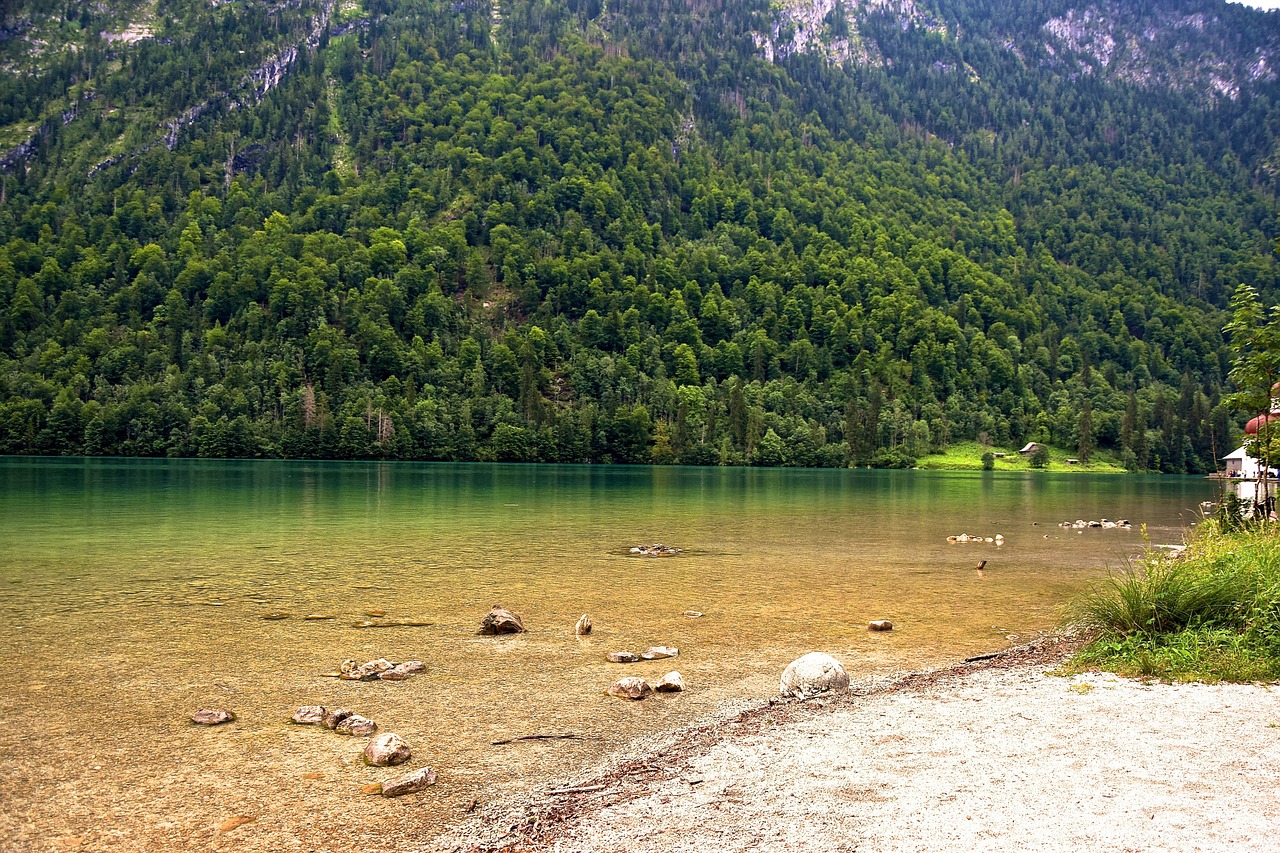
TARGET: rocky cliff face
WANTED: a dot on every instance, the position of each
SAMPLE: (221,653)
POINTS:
(832,28)
(1204,48)
(1200,52)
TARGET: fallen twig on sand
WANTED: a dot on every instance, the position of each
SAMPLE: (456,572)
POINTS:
(580,789)
(566,736)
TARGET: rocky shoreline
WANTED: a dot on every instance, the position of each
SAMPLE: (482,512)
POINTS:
(845,769)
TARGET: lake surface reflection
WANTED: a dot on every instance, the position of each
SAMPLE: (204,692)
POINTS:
(136,591)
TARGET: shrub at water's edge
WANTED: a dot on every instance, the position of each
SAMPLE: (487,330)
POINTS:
(1210,614)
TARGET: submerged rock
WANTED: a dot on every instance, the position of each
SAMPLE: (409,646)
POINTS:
(334,717)
(885,624)
(630,688)
(271,617)
(693,614)
(387,750)
(672,682)
(410,783)
(366,671)
(660,652)
(356,725)
(623,657)
(656,550)
(583,627)
(813,674)
(309,715)
(499,621)
(212,717)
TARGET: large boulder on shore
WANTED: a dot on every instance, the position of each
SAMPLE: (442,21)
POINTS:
(813,674)
(499,621)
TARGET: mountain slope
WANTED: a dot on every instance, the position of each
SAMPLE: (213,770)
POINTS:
(639,231)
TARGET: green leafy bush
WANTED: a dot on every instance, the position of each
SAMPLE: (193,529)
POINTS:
(1212,613)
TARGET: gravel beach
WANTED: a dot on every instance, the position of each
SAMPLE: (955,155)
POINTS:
(998,755)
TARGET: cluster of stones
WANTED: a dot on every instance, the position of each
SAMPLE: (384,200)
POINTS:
(968,537)
(379,670)
(385,750)
(634,687)
(1081,524)
(656,550)
(341,720)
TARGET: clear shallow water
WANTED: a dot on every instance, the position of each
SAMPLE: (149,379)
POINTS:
(135,592)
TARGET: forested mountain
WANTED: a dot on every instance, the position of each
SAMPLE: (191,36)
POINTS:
(816,232)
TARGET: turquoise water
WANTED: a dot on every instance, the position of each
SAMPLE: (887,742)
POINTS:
(138,589)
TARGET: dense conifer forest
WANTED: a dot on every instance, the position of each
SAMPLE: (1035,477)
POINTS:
(586,231)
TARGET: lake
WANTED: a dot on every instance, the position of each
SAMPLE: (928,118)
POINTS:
(136,593)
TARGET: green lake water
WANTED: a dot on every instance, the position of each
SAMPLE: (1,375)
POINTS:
(135,593)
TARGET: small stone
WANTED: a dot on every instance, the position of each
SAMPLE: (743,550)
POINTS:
(411,783)
(312,776)
(316,617)
(336,716)
(583,627)
(372,788)
(375,614)
(884,624)
(233,822)
(275,616)
(356,725)
(672,682)
(623,657)
(365,624)
(410,666)
(813,674)
(212,717)
(387,750)
(499,621)
(309,715)
(367,671)
(660,652)
(630,688)
(693,614)
(347,666)
(392,675)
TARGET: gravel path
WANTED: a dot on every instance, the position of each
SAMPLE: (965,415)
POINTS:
(993,758)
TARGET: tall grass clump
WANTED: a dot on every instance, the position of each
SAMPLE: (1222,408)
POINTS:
(1211,613)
